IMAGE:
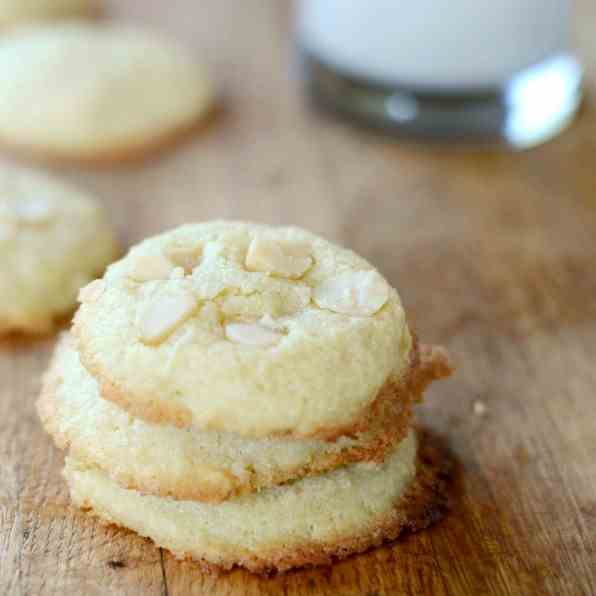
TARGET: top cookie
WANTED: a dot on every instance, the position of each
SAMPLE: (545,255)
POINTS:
(243,328)
(16,12)
(89,92)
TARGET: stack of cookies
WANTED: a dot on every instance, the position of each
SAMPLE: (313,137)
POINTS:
(242,395)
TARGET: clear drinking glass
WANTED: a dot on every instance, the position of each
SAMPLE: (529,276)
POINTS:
(447,69)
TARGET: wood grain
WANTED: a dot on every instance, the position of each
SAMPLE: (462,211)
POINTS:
(494,254)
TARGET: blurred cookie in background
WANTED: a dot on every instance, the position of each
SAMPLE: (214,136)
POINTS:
(53,240)
(91,93)
(18,12)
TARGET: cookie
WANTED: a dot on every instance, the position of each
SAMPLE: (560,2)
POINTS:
(193,465)
(53,240)
(102,92)
(245,328)
(309,522)
(17,12)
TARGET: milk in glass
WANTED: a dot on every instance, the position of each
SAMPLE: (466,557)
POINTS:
(444,68)
(445,44)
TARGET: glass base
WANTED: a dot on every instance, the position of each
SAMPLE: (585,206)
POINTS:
(536,105)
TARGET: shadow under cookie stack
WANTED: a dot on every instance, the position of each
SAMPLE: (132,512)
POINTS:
(242,395)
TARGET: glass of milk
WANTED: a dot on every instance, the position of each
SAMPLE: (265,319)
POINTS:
(446,69)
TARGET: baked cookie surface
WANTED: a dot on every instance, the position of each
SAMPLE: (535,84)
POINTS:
(186,464)
(96,92)
(244,328)
(17,12)
(309,522)
(53,240)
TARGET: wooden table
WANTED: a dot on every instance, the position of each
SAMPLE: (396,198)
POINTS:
(495,256)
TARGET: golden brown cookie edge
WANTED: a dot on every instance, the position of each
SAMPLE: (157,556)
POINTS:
(424,503)
(392,423)
(419,373)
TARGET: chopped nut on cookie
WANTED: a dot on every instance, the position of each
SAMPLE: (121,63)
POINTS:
(278,258)
(161,315)
(184,255)
(359,293)
(150,267)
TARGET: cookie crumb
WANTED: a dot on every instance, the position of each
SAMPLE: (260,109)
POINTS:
(479,408)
